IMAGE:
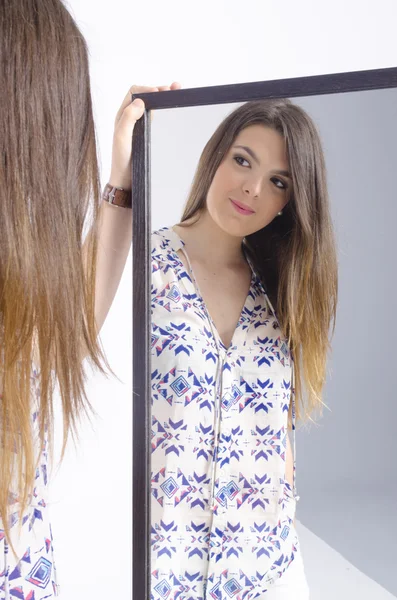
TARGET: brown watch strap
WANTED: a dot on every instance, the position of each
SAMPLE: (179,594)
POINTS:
(117,196)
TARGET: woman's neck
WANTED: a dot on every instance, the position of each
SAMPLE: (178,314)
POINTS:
(208,244)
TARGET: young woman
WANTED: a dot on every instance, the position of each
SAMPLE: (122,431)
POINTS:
(55,290)
(244,290)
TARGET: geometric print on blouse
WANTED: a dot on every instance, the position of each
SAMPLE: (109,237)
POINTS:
(221,509)
(31,575)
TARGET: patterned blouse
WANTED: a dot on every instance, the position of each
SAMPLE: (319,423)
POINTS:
(31,575)
(221,510)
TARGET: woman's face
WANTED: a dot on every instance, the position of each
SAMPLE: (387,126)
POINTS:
(252,183)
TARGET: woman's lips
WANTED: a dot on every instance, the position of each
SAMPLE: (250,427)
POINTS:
(241,208)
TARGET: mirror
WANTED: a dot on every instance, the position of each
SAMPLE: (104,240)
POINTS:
(346,474)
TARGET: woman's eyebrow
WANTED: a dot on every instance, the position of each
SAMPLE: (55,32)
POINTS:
(282,172)
(250,152)
(254,156)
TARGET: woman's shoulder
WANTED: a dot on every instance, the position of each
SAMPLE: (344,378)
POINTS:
(161,237)
(164,257)
(165,242)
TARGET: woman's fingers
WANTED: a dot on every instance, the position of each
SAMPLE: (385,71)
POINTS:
(143,89)
(164,88)
(127,115)
(135,89)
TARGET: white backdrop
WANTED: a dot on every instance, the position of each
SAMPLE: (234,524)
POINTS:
(154,43)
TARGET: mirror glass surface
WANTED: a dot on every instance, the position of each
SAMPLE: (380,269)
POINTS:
(346,474)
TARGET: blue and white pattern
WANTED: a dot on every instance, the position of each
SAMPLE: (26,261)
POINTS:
(31,575)
(222,510)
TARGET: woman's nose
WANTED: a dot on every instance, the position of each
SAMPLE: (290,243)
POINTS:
(253,187)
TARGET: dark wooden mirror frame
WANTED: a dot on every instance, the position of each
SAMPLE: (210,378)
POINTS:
(141,276)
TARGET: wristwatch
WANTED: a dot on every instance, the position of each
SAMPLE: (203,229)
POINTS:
(117,196)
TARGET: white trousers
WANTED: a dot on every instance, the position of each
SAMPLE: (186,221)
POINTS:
(292,585)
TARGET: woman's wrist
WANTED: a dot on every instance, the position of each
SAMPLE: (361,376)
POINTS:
(119,182)
(120,175)
(117,196)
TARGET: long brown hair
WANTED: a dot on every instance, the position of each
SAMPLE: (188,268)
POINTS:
(295,254)
(49,184)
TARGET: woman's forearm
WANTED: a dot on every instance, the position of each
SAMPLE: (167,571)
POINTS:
(114,243)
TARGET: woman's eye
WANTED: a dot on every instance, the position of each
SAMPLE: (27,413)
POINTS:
(279,183)
(240,158)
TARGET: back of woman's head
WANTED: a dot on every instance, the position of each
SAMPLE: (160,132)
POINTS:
(49,184)
(294,254)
